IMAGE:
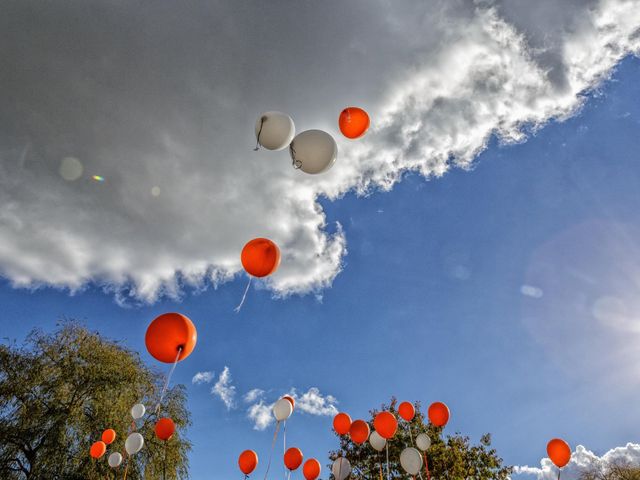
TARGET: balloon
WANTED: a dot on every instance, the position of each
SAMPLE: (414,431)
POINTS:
(411,460)
(376,441)
(260,257)
(167,334)
(293,458)
(248,461)
(115,459)
(559,452)
(438,414)
(311,469)
(385,424)
(282,409)
(108,436)
(341,468)
(274,130)
(406,411)
(359,431)
(165,428)
(342,423)
(291,400)
(354,122)
(137,411)
(423,442)
(313,151)
(98,449)
(134,443)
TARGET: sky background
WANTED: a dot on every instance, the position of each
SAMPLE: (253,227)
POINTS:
(505,283)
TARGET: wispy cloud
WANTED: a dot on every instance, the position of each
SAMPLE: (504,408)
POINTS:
(253,395)
(202,377)
(260,414)
(224,390)
(314,403)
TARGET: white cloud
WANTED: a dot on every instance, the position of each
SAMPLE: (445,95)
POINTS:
(253,395)
(260,414)
(313,403)
(202,377)
(224,390)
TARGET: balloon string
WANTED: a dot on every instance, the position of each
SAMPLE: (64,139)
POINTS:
(166,382)
(559,474)
(273,445)
(237,309)
(380,465)
(426,466)
(297,164)
(387,460)
(126,467)
(262,119)
(284,445)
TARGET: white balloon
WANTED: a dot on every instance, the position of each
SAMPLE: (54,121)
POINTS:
(376,441)
(313,151)
(282,409)
(411,460)
(274,130)
(341,468)
(134,443)
(423,442)
(115,459)
(137,411)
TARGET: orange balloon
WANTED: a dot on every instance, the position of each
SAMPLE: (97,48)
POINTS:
(342,423)
(108,436)
(260,257)
(291,401)
(167,334)
(385,424)
(406,411)
(98,449)
(359,431)
(293,458)
(559,452)
(438,414)
(354,122)
(311,469)
(165,428)
(248,461)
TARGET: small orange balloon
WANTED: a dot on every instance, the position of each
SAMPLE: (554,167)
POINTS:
(438,414)
(559,452)
(359,431)
(291,401)
(407,411)
(260,257)
(248,461)
(165,429)
(354,122)
(342,423)
(385,424)
(169,333)
(311,469)
(293,458)
(108,436)
(98,449)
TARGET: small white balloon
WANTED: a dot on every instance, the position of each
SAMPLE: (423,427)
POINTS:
(313,151)
(274,130)
(376,441)
(115,459)
(137,411)
(411,460)
(282,409)
(423,442)
(341,468)
(134,443)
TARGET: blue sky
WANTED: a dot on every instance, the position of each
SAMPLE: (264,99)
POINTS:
(429,304)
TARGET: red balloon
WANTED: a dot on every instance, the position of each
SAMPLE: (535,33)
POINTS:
(559,452)
(293,458)
(359,431)
(167,334)
(342,423)
(385,424)
(406,411)
(291,401)
(165,428)
(438,414)
(311,469)
(98,449)
(354,122)
(108,436)
(248,461)
(260,257)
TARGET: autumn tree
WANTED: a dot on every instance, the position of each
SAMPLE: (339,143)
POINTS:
(613,471)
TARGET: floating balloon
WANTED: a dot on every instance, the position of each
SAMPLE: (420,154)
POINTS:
(438,414)
(137,411)
(354,122)
(376,441)
(341,468)
(411,460)
(98,449)
(248,461)
(313,151)
(342,423)
(108,436)
(291,400)
(385,424)
(260,257)
(282,409)
(134,443)
(169,334)
(406,411)
(115,459)
(165,429)
(359,431)
(423,442)
(311,469)
(293,458)
(559,452)
(274,130)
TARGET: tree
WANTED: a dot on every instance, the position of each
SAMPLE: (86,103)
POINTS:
(59,391)
(614,471)
(452,459)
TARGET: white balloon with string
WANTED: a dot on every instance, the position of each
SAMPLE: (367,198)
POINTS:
(411,460)
(138,411)
(274,130)
(134,443)
(341,468)
(115,459)
(376,441)
(313,151)
(282,410)
(423,442)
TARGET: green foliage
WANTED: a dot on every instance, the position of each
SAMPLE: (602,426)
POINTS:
(453,459)
(59,391)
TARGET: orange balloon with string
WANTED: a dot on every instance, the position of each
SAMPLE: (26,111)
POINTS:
(359,431)
(98,449)
(311,469)
(407,411)
(169,334)
(559,452)
(385,424)
(260,257)
(108,436)
(353,122)
(293,458)
(165,429)
(342,423)
(438,414)
(248,461)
